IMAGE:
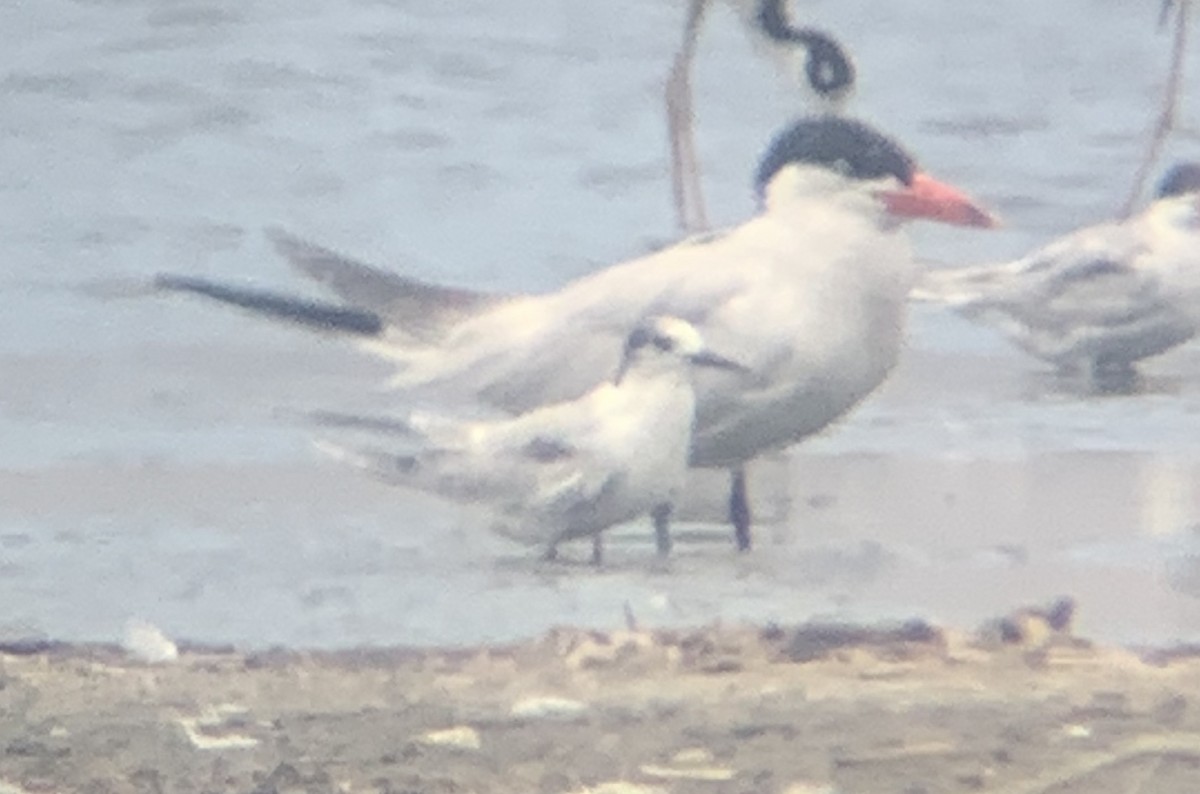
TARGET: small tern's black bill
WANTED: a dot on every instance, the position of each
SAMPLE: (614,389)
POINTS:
(708,359)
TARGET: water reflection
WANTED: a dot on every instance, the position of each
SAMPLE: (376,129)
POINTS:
(145,468)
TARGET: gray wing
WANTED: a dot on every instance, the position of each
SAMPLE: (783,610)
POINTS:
(367,423)
(546,349)
(513,468)
(465,460)
(1083,298)
(318,315)
(567,483)
(540,464)
(1091,290)
(375,302)
(406,304)
(1056,266)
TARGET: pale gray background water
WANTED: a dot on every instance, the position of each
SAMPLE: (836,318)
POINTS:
(145,468)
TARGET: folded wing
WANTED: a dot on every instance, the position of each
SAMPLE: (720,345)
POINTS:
(1085,298)
(411,306)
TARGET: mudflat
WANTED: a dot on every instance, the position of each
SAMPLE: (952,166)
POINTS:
(833,708)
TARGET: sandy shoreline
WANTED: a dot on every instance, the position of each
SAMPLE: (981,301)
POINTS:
(723,709)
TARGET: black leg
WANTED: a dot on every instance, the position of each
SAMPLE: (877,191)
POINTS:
(597,550)
(662,529)
(739,509)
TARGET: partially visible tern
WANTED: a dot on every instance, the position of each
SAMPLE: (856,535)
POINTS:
(1099,299)
(806,54)
(572,469)
(811,294)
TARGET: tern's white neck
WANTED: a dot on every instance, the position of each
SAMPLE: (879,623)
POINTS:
(651,367)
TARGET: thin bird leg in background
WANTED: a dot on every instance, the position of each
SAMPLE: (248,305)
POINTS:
(597,549)
(739,508)
(690,213)
(662,529)
(1170,106)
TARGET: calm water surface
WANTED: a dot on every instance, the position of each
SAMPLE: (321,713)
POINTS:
(148,463)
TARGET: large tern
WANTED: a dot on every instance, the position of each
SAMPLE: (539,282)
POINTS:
(810,294)
(1099,299)
(812,57)
(573,469)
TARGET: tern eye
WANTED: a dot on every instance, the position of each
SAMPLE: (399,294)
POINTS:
(664,343)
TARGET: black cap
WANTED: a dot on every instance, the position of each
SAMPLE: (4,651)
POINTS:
(647,334)
(840,144)
(1182,178)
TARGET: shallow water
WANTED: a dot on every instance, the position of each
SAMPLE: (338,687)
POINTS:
(149,466)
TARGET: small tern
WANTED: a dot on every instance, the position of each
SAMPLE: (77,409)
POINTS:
(1099,299)
(573,469)
(811,55)
(810,294)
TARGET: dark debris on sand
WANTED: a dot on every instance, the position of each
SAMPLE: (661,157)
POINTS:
(909,707)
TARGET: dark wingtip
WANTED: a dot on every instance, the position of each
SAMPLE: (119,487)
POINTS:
(312,314)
